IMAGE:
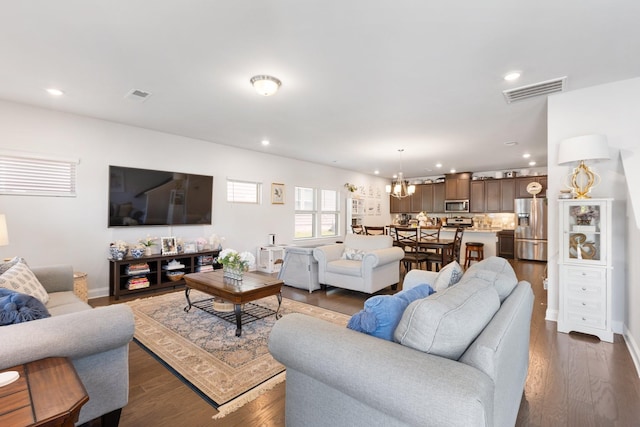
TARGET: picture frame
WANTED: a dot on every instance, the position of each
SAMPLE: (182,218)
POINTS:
(168,246)
(190,248)
(277,193)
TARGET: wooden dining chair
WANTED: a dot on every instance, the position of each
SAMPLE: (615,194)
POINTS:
(437,260)
(357,229)
(372,230)
(407,239)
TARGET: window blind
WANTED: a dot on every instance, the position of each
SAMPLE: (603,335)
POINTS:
(22,174)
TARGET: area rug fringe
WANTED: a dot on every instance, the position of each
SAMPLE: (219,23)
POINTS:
(249,396)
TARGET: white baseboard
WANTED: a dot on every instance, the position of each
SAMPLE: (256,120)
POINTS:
(551,315)
(634,349)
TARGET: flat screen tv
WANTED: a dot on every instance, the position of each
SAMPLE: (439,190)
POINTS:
(152,197)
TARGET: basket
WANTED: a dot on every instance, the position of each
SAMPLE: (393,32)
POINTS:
(174,277)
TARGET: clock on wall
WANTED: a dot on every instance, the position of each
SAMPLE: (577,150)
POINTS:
(534,188)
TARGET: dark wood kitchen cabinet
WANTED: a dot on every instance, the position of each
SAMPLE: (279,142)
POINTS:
(400,205)
(438,197)
(457,186)
(523,181)
(477,201)
(500,194)
(506,245)
(428,198)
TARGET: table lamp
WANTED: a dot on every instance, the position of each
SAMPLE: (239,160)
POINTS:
(4,235)
(579,149)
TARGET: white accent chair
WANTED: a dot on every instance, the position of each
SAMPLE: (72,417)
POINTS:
(379,267)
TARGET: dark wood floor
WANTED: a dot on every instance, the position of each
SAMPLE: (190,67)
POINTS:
(574,380)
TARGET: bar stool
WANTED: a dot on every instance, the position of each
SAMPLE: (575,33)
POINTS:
(474,251)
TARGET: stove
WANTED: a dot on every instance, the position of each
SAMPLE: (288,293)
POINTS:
(459,222)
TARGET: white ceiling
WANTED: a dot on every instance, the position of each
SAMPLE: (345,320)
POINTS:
(361,78)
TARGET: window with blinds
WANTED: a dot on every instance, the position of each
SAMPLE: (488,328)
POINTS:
(243,191)
(31,175)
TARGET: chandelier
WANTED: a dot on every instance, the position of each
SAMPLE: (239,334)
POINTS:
(400,188)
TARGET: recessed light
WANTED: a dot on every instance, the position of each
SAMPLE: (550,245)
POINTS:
(54,92)
(452,171)
(532,163)
(511,143)
(438,165)
(376,172)
(394,176)
(265,142)
(526,155)
(511,76)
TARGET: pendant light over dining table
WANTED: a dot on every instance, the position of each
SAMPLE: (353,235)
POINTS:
(400,188)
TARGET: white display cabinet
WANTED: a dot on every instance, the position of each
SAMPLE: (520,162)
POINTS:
(585,267)
(355,213)
(269,259)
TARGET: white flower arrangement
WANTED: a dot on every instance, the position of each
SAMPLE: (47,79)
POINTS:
(121,245)
(239,261)
(148,241)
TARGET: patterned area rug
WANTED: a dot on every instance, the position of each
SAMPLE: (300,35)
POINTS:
(202,348)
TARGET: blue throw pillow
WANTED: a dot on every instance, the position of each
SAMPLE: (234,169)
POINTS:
(17,308)
(382,313)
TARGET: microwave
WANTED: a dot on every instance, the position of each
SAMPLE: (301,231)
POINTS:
(456,206)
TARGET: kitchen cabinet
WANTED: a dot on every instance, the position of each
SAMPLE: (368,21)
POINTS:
(457,186)
(422,199)
(477,201)
(506,244)
(585,267)
(438,197)
(499,195)
(400,205)
(523,181)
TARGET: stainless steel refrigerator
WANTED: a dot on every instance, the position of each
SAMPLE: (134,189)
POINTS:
(531,232)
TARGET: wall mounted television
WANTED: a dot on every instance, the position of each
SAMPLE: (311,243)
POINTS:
(139,197)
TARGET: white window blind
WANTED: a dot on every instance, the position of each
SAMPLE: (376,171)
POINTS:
(243,191)
(25,174)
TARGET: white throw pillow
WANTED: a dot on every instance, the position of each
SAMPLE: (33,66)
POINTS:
(449,275)
(353,254)
(20,278)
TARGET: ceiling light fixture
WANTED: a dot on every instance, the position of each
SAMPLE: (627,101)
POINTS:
(265,85)
(532,163)
(376,172)
(54,92)
(513,75)
(452,171)
(400,188)
(438,165)
(526,155)
(265,142)
(511,143)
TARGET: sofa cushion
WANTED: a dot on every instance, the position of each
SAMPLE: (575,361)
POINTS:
(447,322)
(16,307)
(449,275)
(382,313)
(496,270)
(64,303)
(20,278)
(353,254)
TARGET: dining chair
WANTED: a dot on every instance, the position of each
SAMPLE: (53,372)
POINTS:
(407,239)
(357,229)
(372,230)
(437,260)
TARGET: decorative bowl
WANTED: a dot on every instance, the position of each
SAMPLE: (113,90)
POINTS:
(137,252)
(175,276)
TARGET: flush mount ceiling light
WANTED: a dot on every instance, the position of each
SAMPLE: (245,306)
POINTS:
(54,92)
(265,85)
(513,75)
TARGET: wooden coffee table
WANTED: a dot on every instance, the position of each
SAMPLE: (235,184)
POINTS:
(238,292)
(48,393)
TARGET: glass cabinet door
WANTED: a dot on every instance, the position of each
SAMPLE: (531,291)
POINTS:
(584,229)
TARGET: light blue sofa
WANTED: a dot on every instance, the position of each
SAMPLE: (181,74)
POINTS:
(95,339)
(339,377)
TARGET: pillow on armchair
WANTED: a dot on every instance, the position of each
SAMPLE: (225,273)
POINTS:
(17,308)
(382,313)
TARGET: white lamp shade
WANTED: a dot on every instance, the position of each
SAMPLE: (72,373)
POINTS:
(585,147)
(4,234)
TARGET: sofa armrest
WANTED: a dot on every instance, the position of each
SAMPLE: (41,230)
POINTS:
(417,277)
(72,335)
(55,278)
(384,256)
(414,387)
(328,253)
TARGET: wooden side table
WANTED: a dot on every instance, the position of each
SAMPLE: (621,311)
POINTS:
(48,393)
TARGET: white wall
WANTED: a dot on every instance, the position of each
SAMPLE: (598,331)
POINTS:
(62,230)
(612,110)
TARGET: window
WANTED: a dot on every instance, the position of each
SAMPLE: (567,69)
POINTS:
(243,191)
(317,213)
(33,175)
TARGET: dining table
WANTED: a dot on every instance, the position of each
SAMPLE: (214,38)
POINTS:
(441,247)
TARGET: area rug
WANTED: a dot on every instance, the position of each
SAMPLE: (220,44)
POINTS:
(203,350)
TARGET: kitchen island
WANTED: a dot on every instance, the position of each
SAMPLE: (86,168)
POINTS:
(488,236)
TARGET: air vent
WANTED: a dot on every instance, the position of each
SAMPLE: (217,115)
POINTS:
(536,89)
(137,95)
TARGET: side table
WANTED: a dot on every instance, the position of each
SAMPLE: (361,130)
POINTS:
(48,393)
(80,285)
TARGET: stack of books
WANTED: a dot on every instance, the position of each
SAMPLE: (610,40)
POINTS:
(205,263)
(200,268)
(138,282)
(138,269)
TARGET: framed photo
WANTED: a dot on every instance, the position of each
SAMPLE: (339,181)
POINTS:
(169,246)
(277,193)
(190,248)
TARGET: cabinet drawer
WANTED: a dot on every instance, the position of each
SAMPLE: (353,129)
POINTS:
(581,290)
(585,305)
(592,274)
(587,320)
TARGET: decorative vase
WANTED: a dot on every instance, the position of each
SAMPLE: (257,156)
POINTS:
(137,252)
(147,251)
(117,254)
(232,272)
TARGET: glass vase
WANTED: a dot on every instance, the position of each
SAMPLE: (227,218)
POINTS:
(232,272)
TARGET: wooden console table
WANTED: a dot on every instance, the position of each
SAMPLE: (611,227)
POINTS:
(48,393)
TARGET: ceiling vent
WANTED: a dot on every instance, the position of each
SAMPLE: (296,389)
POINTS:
(536,89)
(137,95)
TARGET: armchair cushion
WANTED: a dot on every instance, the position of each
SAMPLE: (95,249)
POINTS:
(382,313)
(19,277)
(17,308)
